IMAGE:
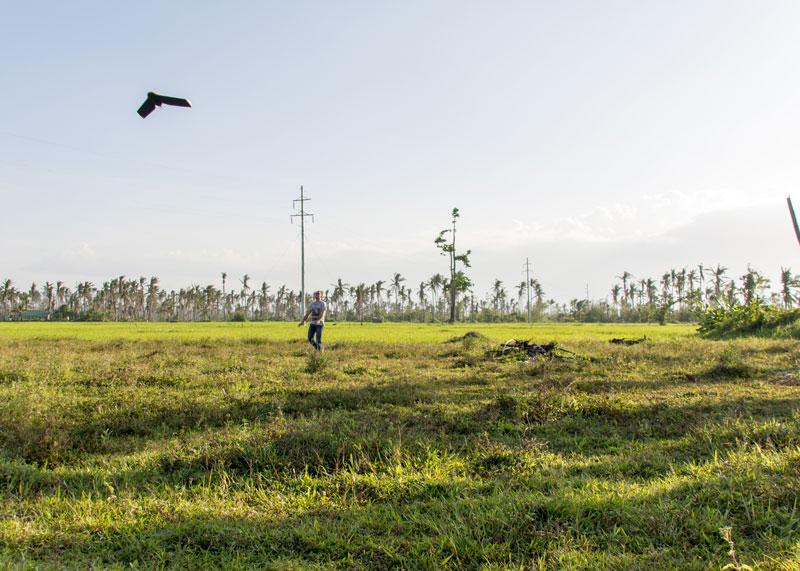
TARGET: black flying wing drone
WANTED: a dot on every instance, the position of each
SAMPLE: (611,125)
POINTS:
(154,99)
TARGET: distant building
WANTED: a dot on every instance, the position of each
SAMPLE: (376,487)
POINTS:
(36,315)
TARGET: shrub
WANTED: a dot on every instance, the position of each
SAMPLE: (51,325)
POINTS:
(316,362)
(754,318)
(92,315)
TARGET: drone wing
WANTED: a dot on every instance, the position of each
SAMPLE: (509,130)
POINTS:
(148,106)
(176,101)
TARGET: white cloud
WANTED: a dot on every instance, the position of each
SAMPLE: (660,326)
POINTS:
(649,217)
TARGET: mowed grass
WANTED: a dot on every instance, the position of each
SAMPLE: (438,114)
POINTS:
(237,447)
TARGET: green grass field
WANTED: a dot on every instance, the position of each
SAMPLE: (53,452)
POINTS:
(234,446)
(345,331)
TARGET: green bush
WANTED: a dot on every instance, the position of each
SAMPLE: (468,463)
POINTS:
(93,315)
(316,362)
(754,318)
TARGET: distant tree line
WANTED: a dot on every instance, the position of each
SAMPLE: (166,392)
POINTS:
(680,295)
(676,296)
(143,299)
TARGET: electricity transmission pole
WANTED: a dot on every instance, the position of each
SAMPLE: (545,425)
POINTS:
(302,216)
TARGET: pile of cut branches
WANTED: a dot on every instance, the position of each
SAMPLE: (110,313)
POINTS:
(528,350)
(624,341)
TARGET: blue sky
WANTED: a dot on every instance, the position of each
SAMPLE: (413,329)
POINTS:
(589,137)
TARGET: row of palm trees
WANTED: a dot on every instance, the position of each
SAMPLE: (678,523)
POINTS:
(703,287)
(143,299)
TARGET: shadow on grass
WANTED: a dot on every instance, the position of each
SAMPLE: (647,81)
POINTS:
(672,527)
(62,433)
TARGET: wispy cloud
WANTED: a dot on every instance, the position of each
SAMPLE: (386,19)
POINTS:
(649,217)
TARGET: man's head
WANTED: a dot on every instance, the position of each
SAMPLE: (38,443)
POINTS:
(318,295)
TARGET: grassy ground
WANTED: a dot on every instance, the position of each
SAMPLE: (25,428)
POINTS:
(186,446)
(345,331)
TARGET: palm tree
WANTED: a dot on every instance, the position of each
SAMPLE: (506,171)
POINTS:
(652,291)
(397,287)
(644,290)
(360,295)
(205,298)
(719,280)
(252,302)
(499,296)
(679,281)
(522,287)
(435,283)
(6,294)
(673,278)
(752,283)
(691,278)
(89,292)
(264,299)
(61,293)
(35,295)
(700,277)
(48,292)
(730,293)
(666,281)
(635,293)
(538,292)
(379,293)
(279,295)
(152,298)
(339,290)
(139,298)
(405,297)
(372,296)
(788,283)
(120,288)
(626,275)
(615,296)
(245,289)
(422,298)
(224,298)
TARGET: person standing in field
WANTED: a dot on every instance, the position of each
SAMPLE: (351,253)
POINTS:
(316,311)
